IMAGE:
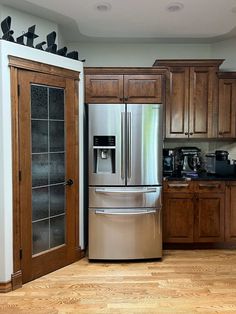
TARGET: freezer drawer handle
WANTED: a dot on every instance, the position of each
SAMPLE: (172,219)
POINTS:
(151,190)
(143,212)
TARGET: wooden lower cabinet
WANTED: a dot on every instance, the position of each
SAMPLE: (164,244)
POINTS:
(230,212)
(196,215)
(178,217)
(209,217)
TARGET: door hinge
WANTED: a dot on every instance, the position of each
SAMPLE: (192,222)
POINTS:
(21,253)
(19,175)
(18,90)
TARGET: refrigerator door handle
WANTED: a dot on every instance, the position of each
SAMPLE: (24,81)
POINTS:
(105,190)
(123,212)
(122,145)
(129,145)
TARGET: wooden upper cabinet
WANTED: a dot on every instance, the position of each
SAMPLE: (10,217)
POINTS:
(202,101)
(227,105)
(142,89)
(177,100)
(104,88)
(191,98)
(124,85)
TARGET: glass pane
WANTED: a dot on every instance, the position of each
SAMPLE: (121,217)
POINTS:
(56,136)
(56,103)
(57,231)
(40,232)
(39,136)
(57,200)
(57,168)
(40,169)
(48,167)
(39,102)
(40,203)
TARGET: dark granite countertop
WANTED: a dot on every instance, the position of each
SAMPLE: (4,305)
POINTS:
(201,177)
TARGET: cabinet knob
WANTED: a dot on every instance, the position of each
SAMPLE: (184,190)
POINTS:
(121,99)
(126,98)
(186,133)
(191,133)
(220,133)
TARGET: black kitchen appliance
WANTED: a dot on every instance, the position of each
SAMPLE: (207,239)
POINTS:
(188,160)
(168,161)
(221,155)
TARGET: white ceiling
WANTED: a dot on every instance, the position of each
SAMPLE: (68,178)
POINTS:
(136,20)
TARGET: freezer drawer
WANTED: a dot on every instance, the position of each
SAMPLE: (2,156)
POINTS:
(125,233)
(113,197)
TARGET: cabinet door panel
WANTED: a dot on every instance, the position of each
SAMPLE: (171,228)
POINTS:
(142,89)
(178,217)
(202,95)
(230,213)
(227,108)
(177,103)
(209,219)
(104,88)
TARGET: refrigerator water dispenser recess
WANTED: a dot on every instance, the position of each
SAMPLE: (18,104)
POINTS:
(104,151)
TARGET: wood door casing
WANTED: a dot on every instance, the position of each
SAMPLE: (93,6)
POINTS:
(177,102)
(40,264)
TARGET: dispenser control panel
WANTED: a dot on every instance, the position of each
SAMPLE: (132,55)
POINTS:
(104,140)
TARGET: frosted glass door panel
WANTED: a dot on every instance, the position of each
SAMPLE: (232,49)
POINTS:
(48,167)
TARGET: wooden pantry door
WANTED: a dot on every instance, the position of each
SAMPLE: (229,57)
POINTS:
(48,170)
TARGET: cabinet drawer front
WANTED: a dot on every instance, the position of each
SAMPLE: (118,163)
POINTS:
(210,186)
(178,186)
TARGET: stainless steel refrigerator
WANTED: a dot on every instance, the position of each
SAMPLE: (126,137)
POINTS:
(125,181)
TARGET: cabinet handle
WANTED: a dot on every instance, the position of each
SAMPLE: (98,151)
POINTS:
(179,185)
(209,186)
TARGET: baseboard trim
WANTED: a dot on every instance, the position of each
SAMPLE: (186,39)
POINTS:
(16,280)
(5,287)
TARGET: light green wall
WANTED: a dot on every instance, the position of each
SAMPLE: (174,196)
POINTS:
(103,54)
(225,49)
(123,54)
(20,22)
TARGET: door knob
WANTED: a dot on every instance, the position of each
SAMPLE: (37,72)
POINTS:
(69,182)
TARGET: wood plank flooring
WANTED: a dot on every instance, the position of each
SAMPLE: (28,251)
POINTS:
(199,281)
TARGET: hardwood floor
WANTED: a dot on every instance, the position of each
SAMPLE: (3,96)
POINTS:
(199,281)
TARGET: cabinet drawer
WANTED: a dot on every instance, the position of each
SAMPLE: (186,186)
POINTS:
(178,186)
(209,186)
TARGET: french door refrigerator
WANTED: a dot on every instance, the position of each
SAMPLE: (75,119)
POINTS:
(125,181)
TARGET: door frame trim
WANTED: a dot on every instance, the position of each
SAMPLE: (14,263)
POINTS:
(15,65)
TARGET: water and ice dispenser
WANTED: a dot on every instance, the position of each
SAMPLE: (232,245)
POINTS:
(104,154)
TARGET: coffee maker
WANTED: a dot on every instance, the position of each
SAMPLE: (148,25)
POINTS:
(188,160)
(168,161)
